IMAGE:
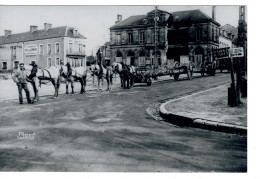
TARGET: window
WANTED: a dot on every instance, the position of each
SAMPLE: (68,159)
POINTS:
(198,59)
(215,35)
(49,62)
(57,47)
(80,48)
(141,61)
(130,38)
(70,47)
(4,65)
(141,37)
(118,39)
(16,64)
(14,55)
(61,62)
(57,61)
(198,34)
(41,48)
(49,49)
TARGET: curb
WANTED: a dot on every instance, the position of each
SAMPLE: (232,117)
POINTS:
(198,122)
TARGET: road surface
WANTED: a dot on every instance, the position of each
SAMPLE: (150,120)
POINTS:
(111,132)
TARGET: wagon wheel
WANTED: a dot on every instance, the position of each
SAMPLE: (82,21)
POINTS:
(176,76)
(149,82)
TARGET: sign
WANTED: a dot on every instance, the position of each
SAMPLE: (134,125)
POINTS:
(236,52)
(31,49)
(220,52)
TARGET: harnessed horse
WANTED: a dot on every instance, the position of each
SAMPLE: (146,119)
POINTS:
(126,74)
(74,74)
(50,74)
(102,73)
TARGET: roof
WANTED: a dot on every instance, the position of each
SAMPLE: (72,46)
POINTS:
(176,17)
(131,21)
(230,29)
(62,31)
(190,16)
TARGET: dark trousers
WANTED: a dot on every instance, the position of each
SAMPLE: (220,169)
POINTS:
(24,86)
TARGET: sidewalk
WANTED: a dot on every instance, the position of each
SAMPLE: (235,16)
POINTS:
(207,109)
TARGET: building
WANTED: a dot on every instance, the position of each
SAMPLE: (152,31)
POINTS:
(193,34)
(228,34)
(132,40)
(105,51)
(226,40)
(136,39)
(47,47)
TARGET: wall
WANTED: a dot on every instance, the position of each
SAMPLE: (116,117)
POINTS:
(10,53)
(41,59)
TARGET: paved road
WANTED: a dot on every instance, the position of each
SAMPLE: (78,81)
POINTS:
(111,132)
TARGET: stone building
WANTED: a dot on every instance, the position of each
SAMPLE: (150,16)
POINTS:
(230,33)
(132,40)
(190,33)
(193,34)
(47,47)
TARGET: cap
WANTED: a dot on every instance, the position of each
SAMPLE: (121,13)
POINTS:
(21,64)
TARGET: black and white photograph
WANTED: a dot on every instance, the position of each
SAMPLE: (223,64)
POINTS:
(124,88)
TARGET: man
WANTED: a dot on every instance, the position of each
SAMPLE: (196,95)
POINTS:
(19,78)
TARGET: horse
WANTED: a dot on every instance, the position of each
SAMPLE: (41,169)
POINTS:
(39,76)
(71,74)
(126,74)
(102,73)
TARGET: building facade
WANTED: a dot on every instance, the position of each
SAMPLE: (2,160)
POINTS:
(47,47)
(136,39)
(132,40)
(193,34)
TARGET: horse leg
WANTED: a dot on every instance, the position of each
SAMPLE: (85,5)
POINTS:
(128,79)
(81,83)
(72,86)
(107,84)
(55,87)
(58,86)
(102,81)
(84,83)
(67,87)
(98,83)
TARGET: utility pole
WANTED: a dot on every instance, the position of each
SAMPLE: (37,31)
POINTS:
(156,18)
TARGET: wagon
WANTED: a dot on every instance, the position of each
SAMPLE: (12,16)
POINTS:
(184,66)
(141,75)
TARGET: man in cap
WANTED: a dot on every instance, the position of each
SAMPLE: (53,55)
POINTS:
(19,78)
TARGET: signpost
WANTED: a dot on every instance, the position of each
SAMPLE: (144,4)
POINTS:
(236,53)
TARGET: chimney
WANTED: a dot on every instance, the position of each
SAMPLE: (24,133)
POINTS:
(214,13)
(76,32)
(7,32)
(47,26)
(119,18)
(33,28)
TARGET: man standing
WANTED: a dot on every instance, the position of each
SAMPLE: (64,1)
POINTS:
(19,78)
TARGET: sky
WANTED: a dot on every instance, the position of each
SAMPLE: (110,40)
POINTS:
(93,21)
